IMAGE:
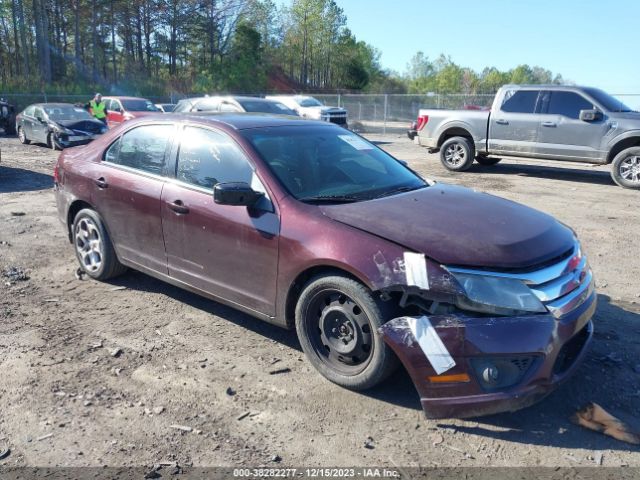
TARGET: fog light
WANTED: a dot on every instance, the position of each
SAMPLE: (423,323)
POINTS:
(495,373)
(490,375)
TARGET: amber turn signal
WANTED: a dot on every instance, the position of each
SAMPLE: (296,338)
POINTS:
(455,378)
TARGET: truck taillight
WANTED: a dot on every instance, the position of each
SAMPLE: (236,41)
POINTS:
(422,121)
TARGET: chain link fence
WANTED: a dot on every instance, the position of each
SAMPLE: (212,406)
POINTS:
(368,113)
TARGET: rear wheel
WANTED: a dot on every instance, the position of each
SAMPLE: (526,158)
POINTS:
(23,136)
(337,321)
(456,154)
(625,168)
(487,161)
(93,247)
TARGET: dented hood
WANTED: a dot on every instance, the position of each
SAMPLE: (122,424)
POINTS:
(458,226)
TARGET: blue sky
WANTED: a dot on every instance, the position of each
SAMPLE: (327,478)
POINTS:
(591,42)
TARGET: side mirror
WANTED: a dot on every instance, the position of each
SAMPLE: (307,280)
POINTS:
(237,194)
(590,115)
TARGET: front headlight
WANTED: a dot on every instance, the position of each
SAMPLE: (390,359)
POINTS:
(496,295)
(63,130)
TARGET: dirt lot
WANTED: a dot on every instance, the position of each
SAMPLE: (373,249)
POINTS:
(97,374)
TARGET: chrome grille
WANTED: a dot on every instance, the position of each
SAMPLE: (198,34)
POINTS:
(561,287)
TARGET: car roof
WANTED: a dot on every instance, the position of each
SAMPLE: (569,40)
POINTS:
(53,104)
(124,98)
(546,87)
(242,121)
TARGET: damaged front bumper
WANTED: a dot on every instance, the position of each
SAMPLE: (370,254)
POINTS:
(466,367)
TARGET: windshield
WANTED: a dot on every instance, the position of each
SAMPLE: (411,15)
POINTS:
(610,103)
(66,112)
(330,164)
(266,107)
(309,102)
(139,105)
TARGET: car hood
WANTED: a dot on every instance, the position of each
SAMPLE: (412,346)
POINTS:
(625,115)
(87,124)
(458,226)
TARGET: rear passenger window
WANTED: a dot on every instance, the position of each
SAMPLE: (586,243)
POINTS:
(568,104)
(143,148)
(207,157)
(520,101)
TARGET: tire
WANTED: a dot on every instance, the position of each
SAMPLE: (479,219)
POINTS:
(23,136)
(457,153)
(353,354)
(93,247)
(487,161)
(625,168)
(51,143)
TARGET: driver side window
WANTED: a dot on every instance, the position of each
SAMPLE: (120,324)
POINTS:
(207,157)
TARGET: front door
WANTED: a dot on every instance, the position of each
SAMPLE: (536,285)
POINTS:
(128,187)
(513,129)
(230,252)
(563,135)
(115,113)
(39,128)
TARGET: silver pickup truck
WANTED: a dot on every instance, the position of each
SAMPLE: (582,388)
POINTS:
(576,124)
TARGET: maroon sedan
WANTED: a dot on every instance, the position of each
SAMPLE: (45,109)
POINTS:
(487,303)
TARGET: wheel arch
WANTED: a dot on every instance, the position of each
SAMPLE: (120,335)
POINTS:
(296,286)
(454,131)
(623,144)
(73,210)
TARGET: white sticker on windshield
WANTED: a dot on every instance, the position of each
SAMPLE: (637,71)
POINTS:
(355,142)
(79,110)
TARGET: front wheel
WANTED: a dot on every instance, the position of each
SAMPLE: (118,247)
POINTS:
(625,168)
(93,247)
(487,161)
(456,154)
(51,142)
(337,321)
(23,136)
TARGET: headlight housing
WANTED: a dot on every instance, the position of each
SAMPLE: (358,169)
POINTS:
(496,295)
(63,130)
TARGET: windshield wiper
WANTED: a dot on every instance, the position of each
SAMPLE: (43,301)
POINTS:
(395,191)
(331,199)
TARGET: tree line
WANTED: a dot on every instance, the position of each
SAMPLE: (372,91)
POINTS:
(153,47)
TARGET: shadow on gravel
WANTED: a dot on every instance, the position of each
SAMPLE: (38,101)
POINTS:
(139,281)
(607,377)
(595,177)
(20,180)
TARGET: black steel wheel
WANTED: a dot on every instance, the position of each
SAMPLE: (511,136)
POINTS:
(337,321)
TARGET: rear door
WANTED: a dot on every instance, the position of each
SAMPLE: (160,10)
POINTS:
(127,190)
(562,135)
(513,129)
(227,251)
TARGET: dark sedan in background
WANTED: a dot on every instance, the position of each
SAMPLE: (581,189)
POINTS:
(58,125)
(487,303)
(233,104)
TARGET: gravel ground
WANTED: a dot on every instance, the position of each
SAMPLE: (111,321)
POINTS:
(135,372)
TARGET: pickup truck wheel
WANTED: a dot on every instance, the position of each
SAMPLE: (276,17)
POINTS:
(625,169)
(456,154)
(337,321)
(487,161)
(93,247)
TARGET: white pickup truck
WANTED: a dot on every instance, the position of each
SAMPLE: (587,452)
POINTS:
(312,108)
(577,124)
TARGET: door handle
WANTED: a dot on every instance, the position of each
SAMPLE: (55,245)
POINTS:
(178,207)
(502,122)
(101,182)
(549,124)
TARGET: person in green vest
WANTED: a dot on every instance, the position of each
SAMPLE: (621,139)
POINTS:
(98,108)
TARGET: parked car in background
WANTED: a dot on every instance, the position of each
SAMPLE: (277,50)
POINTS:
(486,302)
(58,125)
(309,107)
(235,104)
(7,117)
(121,109)
(166,107)
(554,122)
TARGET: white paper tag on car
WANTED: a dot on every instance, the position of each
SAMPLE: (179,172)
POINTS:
(415,266)
(431,344)
(355,142)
